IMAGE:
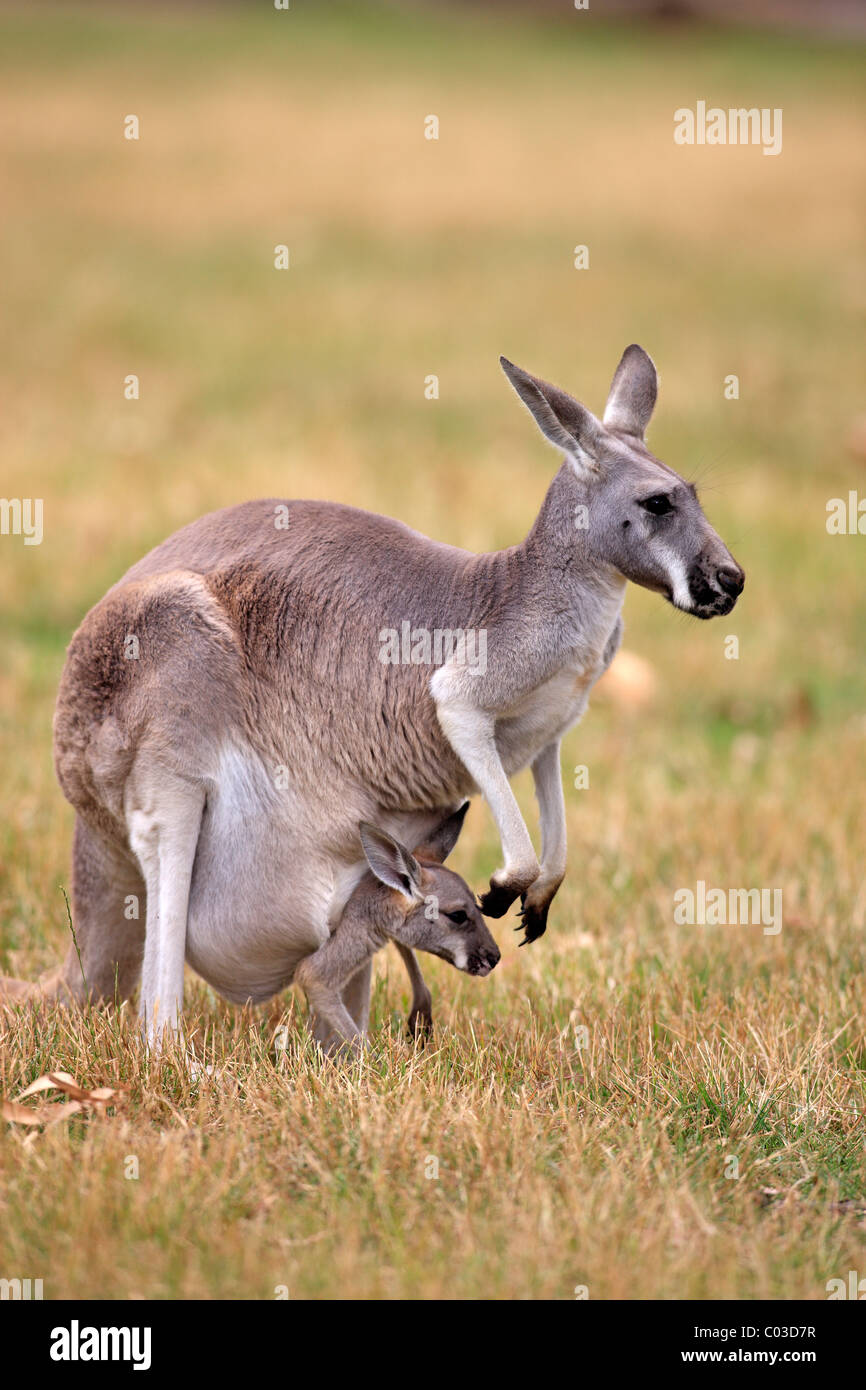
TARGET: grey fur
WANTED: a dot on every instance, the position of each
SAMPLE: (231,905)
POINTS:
(259,651)
(412,901)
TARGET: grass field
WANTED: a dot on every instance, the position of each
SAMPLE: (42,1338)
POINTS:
(599,1160)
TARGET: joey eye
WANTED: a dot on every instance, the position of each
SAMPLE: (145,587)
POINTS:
(458,917)
(657,505)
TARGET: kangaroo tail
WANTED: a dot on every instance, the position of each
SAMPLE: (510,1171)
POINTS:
(50,986)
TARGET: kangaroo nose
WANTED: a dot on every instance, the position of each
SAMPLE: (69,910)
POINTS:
(731,579)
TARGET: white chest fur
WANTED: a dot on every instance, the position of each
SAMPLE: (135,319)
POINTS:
(548,711)
(542,717)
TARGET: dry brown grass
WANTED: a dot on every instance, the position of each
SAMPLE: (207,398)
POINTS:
(606,1165)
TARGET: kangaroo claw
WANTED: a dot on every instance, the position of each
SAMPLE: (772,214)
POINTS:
(533,920)
(497,900)
(420,1026)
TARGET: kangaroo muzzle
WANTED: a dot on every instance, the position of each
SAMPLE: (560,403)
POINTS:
(715,583)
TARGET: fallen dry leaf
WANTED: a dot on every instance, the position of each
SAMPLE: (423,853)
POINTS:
(42,1115)
(78,1099)
(52,1081)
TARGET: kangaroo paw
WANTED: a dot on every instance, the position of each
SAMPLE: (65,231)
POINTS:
(498,899)
(533,920)
(420,1025)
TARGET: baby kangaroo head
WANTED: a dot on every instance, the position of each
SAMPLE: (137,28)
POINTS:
(628,510)
(427,906)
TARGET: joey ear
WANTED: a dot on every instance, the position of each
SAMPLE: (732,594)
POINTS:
(633,393)
(561,419)
(440,842)
(390,861)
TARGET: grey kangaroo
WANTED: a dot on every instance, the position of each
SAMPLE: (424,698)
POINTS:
(409,899)
(229,714)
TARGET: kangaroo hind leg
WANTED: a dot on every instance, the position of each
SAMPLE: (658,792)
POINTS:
(103,960)
(163,813)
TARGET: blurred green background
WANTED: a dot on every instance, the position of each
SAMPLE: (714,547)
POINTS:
(410,257)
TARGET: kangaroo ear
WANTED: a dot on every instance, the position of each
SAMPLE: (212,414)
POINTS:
(390,861)
(633,393)
(441,841)
(561,419)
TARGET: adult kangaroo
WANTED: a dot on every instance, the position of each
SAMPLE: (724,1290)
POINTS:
(233,708)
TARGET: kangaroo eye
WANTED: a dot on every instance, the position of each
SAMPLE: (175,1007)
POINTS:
(458,917)
(657,505)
